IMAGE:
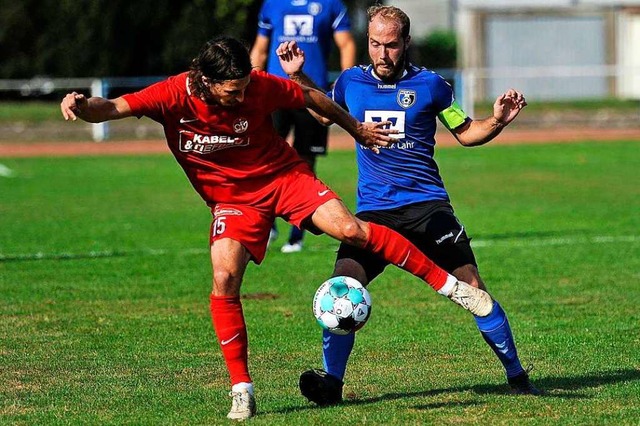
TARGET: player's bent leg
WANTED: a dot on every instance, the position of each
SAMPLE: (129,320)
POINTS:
(229,260)
(337,221)
(334,219)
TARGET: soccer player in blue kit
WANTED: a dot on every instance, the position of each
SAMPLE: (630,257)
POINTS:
(315,25)
(401,187)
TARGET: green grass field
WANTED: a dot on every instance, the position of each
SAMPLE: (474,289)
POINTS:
(105,276)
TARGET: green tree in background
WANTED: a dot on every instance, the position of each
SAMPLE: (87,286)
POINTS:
(80,38)
(119,38)
(436,51)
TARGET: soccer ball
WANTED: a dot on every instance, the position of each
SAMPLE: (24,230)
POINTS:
(342,305)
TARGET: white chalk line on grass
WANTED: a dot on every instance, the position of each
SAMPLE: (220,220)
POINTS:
(98,254)
(480,243)
(6,171)
(536,242)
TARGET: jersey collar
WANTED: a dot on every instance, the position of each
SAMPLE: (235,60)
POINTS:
(374,75)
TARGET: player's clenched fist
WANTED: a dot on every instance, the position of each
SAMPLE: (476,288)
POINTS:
(72,104)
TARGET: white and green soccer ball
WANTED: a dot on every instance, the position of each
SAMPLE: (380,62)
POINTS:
(342,305)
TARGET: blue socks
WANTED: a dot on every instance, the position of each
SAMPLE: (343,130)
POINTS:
(494,329)
(496,332)
(335,352)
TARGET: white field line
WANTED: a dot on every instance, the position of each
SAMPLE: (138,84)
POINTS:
(537,242)
(6,171)
(512,242)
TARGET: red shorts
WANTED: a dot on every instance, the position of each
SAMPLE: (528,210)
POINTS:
(293,195)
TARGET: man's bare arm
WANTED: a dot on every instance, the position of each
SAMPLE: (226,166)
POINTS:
(260,52)
(371,135)
(505,109)
(93,110)
(347,48)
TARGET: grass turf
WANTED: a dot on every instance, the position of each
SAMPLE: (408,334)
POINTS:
(104,277)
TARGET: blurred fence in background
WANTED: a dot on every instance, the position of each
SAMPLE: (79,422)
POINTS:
(472,87)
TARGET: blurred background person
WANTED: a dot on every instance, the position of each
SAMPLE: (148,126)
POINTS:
(314,25)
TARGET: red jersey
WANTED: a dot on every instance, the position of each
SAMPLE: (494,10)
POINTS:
(226,152)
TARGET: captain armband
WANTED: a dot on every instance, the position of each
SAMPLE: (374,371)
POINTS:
(453,116)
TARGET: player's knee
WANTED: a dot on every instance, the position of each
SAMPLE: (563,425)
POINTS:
(353,233)
(226,283)
(470,275)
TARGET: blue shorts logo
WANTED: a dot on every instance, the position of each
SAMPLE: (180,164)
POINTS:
(406,98)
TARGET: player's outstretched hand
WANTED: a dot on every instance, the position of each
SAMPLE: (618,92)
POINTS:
(508,106)
(375,135)
(72,104)
(291,57)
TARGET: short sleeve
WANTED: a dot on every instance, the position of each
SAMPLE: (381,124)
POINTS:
(341,20)
(337,93)
(449,112)
(149,101)
(280,93)
(265,22)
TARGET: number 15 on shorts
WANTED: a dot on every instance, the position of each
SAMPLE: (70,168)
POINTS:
(218,226)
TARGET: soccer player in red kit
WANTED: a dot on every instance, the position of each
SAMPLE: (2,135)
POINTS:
(217,122)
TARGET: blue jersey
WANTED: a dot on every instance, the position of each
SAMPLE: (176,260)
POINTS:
(311,24)
(404,172)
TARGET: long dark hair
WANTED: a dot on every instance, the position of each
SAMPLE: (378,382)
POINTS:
(220,59)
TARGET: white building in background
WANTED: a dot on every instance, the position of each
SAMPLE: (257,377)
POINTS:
(551,49)
(427,15)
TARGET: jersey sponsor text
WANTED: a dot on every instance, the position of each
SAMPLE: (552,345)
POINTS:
(205,144)
(396,118)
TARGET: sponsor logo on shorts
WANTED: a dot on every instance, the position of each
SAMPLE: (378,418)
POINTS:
(205,144)
(444,237)
(323,193)
(226,212)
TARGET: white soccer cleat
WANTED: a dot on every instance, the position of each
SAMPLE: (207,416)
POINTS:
(292,248)
(473,299)
(243,405)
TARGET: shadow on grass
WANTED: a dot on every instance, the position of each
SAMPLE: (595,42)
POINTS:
(554,387)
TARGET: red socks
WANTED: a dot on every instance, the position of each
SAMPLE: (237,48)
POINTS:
(396,249)
(229,325)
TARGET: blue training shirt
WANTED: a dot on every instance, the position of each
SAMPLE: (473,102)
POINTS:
(311,24)
(404,172)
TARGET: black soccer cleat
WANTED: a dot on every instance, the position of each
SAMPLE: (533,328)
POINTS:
(521,385)
(320,387)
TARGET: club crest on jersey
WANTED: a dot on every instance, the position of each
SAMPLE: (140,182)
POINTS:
(406,98)
(240,125)
(314,8)
(205,144)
